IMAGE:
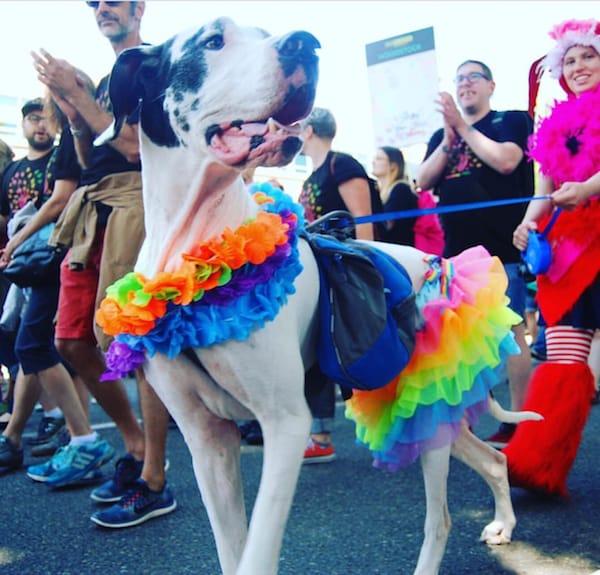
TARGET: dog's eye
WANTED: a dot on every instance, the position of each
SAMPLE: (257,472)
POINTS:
(215,42)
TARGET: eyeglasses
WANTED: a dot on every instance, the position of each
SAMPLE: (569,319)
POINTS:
(471,76)
(35,119)
(95,5)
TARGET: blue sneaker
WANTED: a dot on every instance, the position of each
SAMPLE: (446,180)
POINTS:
(127,470)
(42,471)
(138,505)
(74,462)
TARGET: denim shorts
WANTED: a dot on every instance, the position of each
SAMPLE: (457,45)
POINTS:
(517,288)
(34,346)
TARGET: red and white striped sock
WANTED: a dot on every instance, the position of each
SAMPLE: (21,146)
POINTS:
(566,344)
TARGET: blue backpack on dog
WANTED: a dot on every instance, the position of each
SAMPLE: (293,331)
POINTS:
(367,313)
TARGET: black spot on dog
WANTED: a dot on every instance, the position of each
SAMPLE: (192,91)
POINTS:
(256,141)
(214,130)
(189,71)
(291,146)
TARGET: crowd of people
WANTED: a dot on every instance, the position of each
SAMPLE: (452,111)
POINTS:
(95,195)
(52,350)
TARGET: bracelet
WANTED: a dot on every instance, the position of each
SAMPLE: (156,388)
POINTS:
(75,132)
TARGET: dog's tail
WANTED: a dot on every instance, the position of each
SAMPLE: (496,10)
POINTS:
(505,416)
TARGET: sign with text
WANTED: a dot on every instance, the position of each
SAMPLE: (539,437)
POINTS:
(403,82)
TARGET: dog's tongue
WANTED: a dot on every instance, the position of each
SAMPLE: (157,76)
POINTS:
(233,143)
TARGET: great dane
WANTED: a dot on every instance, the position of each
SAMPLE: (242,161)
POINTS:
(213,101)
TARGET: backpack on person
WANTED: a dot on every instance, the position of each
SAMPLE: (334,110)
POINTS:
(367,312)
(429,235)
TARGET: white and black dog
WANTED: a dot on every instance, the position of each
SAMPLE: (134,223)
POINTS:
(213,101)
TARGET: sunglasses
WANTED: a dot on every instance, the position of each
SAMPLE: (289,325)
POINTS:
(95,5)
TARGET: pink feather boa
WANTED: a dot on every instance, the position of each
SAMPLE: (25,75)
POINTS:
(566,144)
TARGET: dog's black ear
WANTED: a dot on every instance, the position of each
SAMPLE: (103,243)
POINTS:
(134,78)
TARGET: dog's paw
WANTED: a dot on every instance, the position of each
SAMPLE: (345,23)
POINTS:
(496,533)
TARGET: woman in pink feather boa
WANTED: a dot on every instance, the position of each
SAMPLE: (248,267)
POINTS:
(566,145)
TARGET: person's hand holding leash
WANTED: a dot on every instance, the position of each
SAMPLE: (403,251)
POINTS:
(570,195)
(521,234)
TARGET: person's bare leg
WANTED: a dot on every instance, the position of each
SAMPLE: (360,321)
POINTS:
(83,393)
(47,402)
(156,424)
(88,362)
(58,384)
(26,394)
(519,369)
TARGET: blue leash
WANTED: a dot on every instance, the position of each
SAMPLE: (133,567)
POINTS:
(443,209)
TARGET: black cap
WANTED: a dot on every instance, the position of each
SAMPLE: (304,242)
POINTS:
(37,104)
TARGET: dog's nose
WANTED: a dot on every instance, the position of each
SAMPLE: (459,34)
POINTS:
(296,45)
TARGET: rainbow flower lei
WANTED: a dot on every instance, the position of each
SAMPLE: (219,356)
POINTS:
(225,288)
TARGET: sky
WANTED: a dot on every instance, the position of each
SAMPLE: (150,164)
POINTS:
(506,34)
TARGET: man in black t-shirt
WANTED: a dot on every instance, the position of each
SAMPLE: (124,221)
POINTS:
(24,180)
(479,155)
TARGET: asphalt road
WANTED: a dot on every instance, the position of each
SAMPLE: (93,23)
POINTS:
(347,519)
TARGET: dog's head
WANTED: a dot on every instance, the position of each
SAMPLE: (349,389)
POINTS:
(236,93)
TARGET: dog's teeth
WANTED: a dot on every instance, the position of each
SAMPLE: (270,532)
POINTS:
(272,126)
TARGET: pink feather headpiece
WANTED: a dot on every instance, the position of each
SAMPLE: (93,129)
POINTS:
(568,34)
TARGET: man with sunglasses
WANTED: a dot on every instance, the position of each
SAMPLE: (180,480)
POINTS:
(479,155)
(108,204)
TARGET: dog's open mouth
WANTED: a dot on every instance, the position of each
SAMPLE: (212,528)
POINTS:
(271,142)
(238,142)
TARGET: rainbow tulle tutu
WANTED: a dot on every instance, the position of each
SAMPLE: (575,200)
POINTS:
(462,346)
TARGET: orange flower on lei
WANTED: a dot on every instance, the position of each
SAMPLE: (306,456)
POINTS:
(134,303)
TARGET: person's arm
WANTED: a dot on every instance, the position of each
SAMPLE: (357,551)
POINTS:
(571,194)
(47,213)
(535,211)
(64,81)
(504,157)
(357,197)
(431,169)
(3,226)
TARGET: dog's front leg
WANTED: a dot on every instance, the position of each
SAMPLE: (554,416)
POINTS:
(286,428)
(491,465)
(435,464)
(214,444)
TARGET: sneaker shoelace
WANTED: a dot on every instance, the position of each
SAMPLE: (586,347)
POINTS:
(139,496)
(62,458)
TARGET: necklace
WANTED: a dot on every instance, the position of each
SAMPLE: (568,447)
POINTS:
(225,288)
